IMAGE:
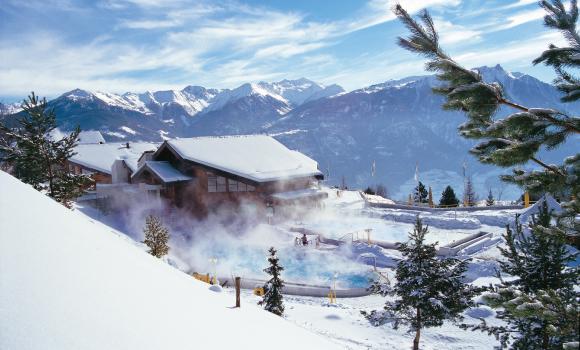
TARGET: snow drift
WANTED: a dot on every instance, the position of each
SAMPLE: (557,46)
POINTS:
(69,283)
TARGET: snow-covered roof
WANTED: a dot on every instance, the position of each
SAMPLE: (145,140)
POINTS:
(101,157)
(91,136)
(164,171)
(256,157)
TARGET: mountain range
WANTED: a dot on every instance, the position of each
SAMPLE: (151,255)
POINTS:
(397,125)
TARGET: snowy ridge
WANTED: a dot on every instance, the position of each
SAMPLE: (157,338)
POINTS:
(9,108)
(67,282)
(196,99)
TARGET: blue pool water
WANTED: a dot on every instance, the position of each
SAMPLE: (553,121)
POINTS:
(300,266)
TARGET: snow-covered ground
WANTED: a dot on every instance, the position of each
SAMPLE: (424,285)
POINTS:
(343,323)
(67,282)
(66,274)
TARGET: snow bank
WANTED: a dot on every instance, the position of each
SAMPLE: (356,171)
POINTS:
(69,283)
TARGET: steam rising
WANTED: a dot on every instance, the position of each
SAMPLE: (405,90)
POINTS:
(239,240)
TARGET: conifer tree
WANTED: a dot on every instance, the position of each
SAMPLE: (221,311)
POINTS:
(490,201)
(369,190)
(39,160)
(382,191)
(448,198)
(156,236)
(428,290)
(469,196)
(518,138)
(272,299)
(542,317)
(420,194)
(539,306)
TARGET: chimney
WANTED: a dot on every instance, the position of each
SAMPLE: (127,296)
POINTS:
(127,145)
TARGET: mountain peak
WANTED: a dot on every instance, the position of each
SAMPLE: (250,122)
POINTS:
(78,94)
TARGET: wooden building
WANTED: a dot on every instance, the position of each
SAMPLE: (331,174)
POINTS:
(100,159)
(253,172)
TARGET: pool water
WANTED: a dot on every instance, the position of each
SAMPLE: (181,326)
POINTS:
(300,266)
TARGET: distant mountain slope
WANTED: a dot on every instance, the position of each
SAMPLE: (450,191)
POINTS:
(397,124)
(67,282)
(175,113)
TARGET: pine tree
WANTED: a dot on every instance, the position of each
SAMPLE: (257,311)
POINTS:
(420,194)
(539,258)
(536,306)
(39,160)
(563,58)
(272,299)
(156,236)
(382,191)
(490,201)
(448,198)
(469,196)
(369,190)
(428,290)
(518,138)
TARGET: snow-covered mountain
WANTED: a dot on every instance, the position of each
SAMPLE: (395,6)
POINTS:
(396,124)
(9,108)
(192,110)
(400,124)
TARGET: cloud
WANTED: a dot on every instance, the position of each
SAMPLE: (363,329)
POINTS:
(169,44)
(520,18)
(450,33)
(150,24)
(380,11)
(515,52)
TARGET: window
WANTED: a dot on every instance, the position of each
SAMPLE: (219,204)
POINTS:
(211,182)
(221,184)
(237,186)
(216,183)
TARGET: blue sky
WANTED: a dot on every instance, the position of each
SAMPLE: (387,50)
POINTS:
(52,46)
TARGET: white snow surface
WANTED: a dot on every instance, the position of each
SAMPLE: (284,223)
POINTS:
(67,282)
(91,136)
(102,156)
(257,157)
(85,137)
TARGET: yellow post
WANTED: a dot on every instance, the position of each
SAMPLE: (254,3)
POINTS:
(332,297)
(526,199)
(410,201)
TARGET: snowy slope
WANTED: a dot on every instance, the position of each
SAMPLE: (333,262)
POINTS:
(69,283)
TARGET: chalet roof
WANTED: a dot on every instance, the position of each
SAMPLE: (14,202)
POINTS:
(91,136)
(85,137)
(163,170)
(256,157)
(101,157)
